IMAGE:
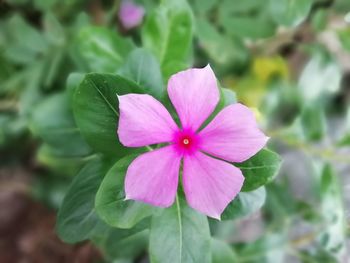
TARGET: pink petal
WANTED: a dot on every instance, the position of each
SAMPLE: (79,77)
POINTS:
(130,14)
(153,177)
(143,121)
(233,135)
(210,184)
(194,94)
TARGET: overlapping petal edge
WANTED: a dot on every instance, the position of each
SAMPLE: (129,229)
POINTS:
(210,181)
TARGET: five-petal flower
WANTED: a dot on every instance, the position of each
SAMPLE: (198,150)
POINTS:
(209,183)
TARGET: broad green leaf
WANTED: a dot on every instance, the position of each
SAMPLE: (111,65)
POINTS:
(180,234)
(222,252)
(101,49)
(246,19)
(228,97)
(220,48)
(143,68)
(124,243)
(96,111)
(246,203)
(290,12)
(60,162)
(73,81)
(52,120)
(44,5)
(260,169)
(241,6)
(110,201)
(313,122)
(203,6)
(25,41)
(54,31)
(77,219)
(333,235)
(168,34)
(249,27)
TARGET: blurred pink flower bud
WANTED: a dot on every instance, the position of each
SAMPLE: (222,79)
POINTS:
(130,14)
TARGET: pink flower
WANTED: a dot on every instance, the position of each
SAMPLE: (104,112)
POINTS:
(130,14)
(209,184)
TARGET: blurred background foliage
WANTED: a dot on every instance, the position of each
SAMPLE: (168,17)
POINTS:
(289,60)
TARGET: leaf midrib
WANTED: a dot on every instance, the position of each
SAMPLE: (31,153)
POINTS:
(180,225)
(104,98)
(257,167)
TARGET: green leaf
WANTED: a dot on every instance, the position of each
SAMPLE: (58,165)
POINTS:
(44,5)
(222,252)
(260,169)
(180,234)
(227,97)
(73,81)
(219,47)
(290,12)
(344,37)
(246,19)
(168,34)
(313,121)
(77,219)
(203,6)
(25,41)
(58,162)
(259,27)
(96,111)
(110,199)
(124,243)
(143,68)
(333,235)
(54,31)
(101,49)
(52,120)
(246,203)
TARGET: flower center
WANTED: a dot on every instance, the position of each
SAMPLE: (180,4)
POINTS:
(186,141)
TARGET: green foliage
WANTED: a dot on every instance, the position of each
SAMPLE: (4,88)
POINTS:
(290,12)
(221,252)
(260,169)
(313,121)
(248,19)
(95,107)
(142,67)
(77,219)
(101,49)
(168,34)
(245,204)
(52,120)
(124,244)
(285,59)
(332,238)
(180,234)
(110,199)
